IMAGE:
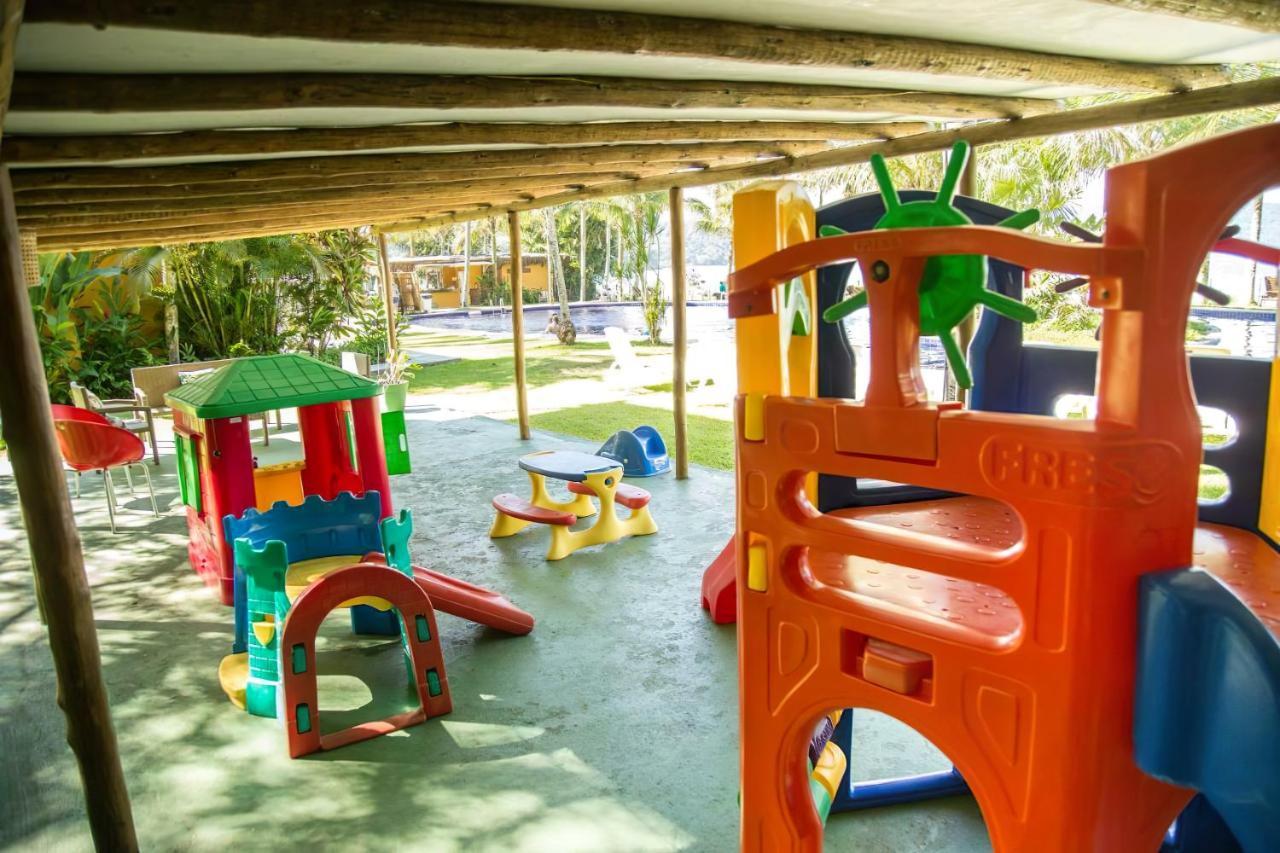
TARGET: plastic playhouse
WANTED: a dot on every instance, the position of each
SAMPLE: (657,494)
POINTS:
(287,544)
(1045,599)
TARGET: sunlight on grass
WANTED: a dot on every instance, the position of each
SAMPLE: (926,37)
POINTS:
(548,366)
(710,439)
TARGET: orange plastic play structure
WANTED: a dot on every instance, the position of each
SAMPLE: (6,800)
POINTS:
(1002,627)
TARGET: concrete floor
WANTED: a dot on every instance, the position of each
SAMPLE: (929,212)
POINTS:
(613,726)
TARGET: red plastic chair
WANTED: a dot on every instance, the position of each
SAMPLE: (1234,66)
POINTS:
(90,443)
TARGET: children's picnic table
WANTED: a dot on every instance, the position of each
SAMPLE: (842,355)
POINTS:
(588,476)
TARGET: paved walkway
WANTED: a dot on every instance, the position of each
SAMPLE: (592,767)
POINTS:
(612,727)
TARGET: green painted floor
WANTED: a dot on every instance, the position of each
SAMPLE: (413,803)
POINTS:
(613,726)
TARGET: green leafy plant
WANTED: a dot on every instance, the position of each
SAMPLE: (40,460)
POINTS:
(399,369)
(655,311)
(113,343)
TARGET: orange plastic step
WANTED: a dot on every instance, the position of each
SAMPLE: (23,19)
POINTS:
(1246,564)
(632,497)
(977,521)
(975,613)
(517,507)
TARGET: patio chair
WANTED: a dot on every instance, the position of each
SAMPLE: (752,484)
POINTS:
(627,366)
(145,425)
(91,443)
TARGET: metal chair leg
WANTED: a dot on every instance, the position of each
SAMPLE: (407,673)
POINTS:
(147,476)
(111,498)
(78,474)
(128,478)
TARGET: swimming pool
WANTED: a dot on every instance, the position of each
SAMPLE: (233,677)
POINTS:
(1242,332)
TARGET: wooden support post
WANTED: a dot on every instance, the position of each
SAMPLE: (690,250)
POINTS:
(55,549)
(680,333)
(464,290)
(517,322)
(384,272)
(582,252)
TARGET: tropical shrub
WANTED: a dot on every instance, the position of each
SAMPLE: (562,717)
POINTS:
(93,341)
(655,311)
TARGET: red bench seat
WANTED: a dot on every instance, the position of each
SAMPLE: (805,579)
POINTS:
(517,507)
(631,497)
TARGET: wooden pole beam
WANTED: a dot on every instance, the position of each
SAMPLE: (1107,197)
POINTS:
(61,588)
(517,324)
(388,304)
(514,27)
(70,211)
(1260,15)
(123,147)
(680,334)
(165,93)
(160,236)
(533,160)
(55,550)
(1236,96)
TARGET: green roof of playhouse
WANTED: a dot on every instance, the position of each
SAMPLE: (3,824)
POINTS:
(262,383)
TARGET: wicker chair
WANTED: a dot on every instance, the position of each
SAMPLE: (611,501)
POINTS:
(139,426)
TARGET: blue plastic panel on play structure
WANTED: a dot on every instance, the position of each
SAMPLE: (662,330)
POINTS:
(315,528)
(1207,709)
(1010,376)
(641,451)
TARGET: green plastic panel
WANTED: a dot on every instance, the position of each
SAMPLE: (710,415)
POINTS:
(263,383)
(188,472)
(395,440)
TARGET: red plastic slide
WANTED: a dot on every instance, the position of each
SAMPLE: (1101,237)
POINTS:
(467,601)
(472,602)
(720,588)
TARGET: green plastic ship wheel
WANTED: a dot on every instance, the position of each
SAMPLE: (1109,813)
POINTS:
(951,285)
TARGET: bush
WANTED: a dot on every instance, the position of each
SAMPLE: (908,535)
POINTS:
(655,311)
(531,296)
(112,344)
(95,344)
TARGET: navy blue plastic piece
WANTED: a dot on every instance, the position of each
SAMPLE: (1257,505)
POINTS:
(570,465)
(836,368)
(1207,707)
(315,528)
(1012,376)
(851,795)
(641,451)
(1199,829)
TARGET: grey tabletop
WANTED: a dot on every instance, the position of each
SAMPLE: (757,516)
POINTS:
(570,465)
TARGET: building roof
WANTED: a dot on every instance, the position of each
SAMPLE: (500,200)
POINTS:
(139,123)
(262,383)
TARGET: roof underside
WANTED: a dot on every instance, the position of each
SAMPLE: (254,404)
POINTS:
(166,123)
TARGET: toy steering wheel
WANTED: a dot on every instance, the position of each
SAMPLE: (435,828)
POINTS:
(951,286)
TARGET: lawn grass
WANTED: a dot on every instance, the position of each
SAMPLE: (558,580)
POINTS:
(543,366)
(710,439)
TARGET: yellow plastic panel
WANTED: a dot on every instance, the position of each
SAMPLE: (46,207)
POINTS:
(1269,508)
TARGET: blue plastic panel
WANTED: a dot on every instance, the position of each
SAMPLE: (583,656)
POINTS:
(1207,712)
(315,528)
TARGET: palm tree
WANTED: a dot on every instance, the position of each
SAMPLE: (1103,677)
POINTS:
(565,330)
(715,218)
